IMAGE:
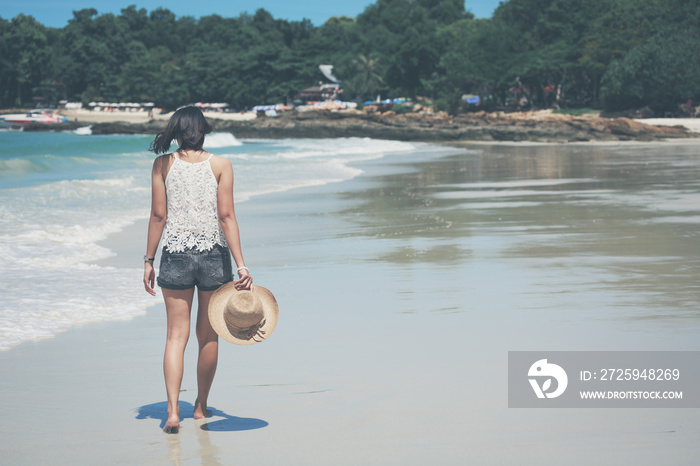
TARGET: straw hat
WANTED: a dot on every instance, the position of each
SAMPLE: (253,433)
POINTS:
(243,317)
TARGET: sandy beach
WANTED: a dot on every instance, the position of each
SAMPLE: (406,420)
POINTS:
(401,292)
(692,124)
(89,116)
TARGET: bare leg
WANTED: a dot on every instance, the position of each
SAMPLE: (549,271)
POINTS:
(208,354)
(178,304)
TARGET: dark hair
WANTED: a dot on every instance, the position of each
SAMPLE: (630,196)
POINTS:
(187,125)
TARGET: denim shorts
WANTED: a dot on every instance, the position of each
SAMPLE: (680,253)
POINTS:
(207,270)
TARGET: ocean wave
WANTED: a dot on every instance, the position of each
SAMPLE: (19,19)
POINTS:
(59,301)
(54,257)
(20,167)
(83,130)
(356,148)
(54,227)
(216,140)
(266,166)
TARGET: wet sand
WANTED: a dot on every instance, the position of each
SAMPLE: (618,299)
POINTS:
(401,292)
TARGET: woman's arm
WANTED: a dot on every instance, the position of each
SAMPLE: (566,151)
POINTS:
(227,219)
(156,223)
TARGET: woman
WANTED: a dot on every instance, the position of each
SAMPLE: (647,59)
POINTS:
(192,209)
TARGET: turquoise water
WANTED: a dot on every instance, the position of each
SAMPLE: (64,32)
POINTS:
(30,159)
(63,194)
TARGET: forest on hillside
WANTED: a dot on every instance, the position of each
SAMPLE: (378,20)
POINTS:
(612,54)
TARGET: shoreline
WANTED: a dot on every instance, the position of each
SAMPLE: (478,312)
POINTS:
(397,310)
(535,126)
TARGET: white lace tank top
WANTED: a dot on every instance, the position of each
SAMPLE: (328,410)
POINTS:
(193,215)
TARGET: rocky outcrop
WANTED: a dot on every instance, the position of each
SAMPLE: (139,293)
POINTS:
(531,126)
(542,126)
(117,127)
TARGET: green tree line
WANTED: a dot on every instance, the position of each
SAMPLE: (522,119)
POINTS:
(615,54)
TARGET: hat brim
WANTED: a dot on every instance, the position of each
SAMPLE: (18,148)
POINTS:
(217,305)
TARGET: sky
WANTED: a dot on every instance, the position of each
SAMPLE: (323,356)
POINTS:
(56,13)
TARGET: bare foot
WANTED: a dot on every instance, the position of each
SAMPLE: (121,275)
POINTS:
(171,429)
(172,425)
(200,410)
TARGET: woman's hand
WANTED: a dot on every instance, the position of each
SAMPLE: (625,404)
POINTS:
(245,282)
(149,278)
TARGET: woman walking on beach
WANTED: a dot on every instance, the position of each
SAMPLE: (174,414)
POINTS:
(192,210)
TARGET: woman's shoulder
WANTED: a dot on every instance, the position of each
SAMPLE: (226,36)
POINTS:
(219,163)
(162,161)
(162,164)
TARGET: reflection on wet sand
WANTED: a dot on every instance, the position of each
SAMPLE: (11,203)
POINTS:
(614,225)
(217,421)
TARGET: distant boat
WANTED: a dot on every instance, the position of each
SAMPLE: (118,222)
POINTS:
(33,116)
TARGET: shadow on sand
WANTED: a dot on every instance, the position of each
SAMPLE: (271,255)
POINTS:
(227,424)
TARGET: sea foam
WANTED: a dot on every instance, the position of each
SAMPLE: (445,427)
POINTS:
(76,191)
(52,235)
(216,140)
(83,130)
